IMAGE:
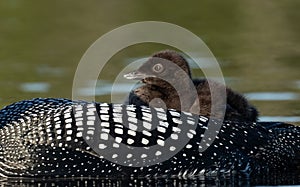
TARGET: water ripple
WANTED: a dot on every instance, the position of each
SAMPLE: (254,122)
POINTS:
(272,96)
(35,87)
(280,118)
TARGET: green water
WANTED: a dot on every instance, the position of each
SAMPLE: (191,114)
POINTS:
(257,44)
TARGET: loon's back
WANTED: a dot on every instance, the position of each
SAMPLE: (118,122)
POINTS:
(62,138)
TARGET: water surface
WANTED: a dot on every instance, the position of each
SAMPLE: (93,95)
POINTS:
(257,44)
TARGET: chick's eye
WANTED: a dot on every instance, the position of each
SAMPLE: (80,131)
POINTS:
(157,68)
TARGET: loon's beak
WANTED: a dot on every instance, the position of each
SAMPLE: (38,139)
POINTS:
(135,75)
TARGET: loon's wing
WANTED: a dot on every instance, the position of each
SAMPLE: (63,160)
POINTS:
(22,109)
(57,137)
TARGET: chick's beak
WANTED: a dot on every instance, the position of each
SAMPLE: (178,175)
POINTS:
(135,75)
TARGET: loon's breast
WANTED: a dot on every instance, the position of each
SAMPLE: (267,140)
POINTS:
(62,138)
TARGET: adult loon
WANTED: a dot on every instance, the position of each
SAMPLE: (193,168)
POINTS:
(168,84)
(64,138)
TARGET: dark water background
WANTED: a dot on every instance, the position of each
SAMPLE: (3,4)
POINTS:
(257,44)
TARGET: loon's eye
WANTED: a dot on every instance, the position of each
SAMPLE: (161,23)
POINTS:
(158,68)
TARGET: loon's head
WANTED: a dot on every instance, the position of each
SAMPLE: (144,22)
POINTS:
(161,67)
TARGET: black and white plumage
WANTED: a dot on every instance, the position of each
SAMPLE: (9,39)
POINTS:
(64,138)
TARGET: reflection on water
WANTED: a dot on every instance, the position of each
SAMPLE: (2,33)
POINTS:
(35,87)
(289,119)
(297,84)
(287,179)
(47,70)
(272,96)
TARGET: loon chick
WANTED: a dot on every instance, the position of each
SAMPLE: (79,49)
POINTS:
(163,82)
(64,138)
